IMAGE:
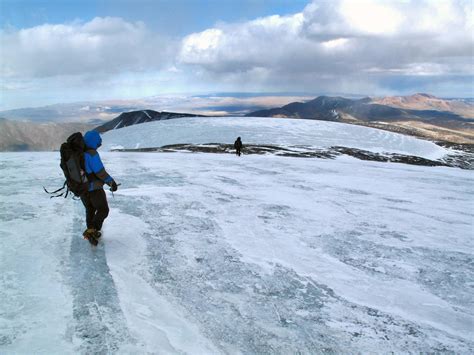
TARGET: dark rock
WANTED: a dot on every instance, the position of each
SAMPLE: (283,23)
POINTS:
(126,119)
(463,161)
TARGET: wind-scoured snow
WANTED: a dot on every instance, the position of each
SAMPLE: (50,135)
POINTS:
(146,113)
(118,124)
(264,130)
(207,254)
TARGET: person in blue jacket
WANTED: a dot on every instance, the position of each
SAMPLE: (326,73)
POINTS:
(95,200)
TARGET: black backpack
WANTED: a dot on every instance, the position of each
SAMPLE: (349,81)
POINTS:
(72,165)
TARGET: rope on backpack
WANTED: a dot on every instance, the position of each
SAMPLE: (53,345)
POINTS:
(56,191)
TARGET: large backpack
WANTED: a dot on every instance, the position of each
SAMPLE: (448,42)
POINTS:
(72,164)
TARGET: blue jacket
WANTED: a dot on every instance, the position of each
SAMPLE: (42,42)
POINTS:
(95,170)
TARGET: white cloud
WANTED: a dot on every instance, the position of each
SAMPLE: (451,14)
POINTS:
(339,41)
(101,46)
(335,43)
(201,47)
(242,46)
(371,16)
(359,46)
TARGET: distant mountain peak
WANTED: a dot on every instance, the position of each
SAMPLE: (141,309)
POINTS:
(131,118)
(423,101)
(419,107)
(331,101)
(424,95)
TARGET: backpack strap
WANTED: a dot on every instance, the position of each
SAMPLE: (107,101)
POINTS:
(56,191)
(91,152)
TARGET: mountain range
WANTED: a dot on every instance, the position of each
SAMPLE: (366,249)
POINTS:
(99,112)
(421,107)
(460,107)
(420,114)
(33,136)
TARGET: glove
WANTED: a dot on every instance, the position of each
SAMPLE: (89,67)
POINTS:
(113,186)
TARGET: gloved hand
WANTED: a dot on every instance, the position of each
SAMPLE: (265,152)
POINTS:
(113,186)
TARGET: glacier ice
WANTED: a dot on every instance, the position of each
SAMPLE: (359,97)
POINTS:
(208,253)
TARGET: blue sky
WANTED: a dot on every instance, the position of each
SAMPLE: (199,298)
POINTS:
(69,51)
(175,17)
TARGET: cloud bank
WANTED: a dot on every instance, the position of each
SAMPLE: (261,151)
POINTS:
(340,46)
(101,46)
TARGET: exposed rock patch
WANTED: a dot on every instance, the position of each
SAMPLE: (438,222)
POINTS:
(461,159)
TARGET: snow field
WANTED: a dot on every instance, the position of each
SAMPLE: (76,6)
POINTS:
(35,301)
(264,130)
(307,218)
(208,253)
(149,315)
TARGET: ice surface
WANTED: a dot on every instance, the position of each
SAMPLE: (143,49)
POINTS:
(208,253)
(264,130)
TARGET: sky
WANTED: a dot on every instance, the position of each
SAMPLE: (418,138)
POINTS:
(55,51)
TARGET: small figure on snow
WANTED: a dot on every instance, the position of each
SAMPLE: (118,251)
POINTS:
(238,146)
(95,200)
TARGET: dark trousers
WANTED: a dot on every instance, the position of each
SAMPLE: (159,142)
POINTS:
(237,151)
(97,208)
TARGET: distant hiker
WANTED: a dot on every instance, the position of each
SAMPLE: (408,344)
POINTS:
(238,146)
(95,200)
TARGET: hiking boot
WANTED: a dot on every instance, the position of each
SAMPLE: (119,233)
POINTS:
(90,234)
(91,231)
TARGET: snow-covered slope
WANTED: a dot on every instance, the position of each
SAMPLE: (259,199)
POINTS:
(276,131)
(211,254)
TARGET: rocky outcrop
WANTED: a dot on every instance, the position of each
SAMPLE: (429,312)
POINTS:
(126,119)
(462,158)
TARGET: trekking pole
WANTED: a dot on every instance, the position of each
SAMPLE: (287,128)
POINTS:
(112,191)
